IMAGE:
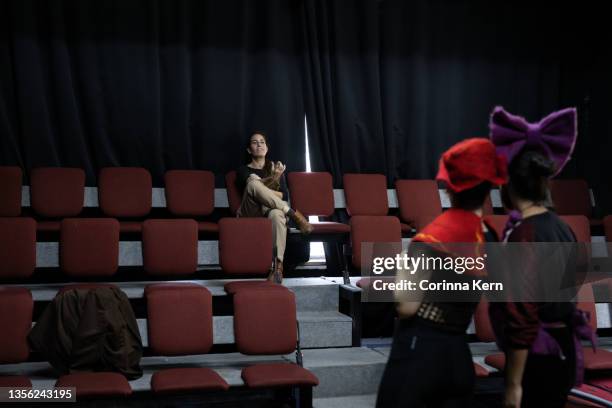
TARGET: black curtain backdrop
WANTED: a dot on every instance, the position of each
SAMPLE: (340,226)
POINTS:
(389,85)
(386,85)
(158,84)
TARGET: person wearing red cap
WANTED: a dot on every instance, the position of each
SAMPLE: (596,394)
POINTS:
(430,363)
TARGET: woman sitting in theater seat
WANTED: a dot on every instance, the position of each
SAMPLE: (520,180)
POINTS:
(536,152)
(430,364)
(264,194)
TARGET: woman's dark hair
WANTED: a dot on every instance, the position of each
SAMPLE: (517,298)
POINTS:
(473,198)
(267,168)
(529,173)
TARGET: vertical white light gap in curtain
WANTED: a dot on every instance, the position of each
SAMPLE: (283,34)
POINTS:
(317,254)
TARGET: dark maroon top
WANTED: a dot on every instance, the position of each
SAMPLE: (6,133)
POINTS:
(521,321)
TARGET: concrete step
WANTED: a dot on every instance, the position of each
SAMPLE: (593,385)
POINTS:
(312,294)
(345,372)
(317,329)
(352,401)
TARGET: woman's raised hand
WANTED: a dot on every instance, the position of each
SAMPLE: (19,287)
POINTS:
(278,169)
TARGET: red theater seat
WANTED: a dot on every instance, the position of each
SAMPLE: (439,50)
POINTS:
(134,227)
(179,308)
(366,194)
(176,380)
(48,226)
(85,286)
(233,287)
(17,247)
(571,197)
(484,332)
(57,191)
(497,361)
(208,227)
(487,207)
(497,223)
(582,396)
(10,191)
(190,193)
(419,201)
(599,359)
(313,195)
(89,246)
(374,229)
(99,384)
(234,197)
(170,247)
(604,383)
(580,226)
(329,227)
(245,248)
(15,381)
(184,309)
(482,324)
(277,375)
(608,228)
(480,371)
(16,307)
(125,192)
(257,331)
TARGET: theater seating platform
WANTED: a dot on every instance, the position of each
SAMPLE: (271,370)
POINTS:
(168,240)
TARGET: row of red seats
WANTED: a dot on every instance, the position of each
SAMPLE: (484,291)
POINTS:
(126,193)
(90,247)
(172,309)
(382,229)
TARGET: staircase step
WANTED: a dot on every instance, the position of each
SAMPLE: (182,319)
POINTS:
(345,371)
(312,294)
(353,401)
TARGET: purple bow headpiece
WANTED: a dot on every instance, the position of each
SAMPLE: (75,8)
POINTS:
(554,136)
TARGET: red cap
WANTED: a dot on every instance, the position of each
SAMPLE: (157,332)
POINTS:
(471,162)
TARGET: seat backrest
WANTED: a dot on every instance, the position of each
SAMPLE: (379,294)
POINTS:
(366,194)
(374,229)
(10,191)
(482,322)
(265,321)
(571,197)
(57,191)
(586,301)
(234,198)
(89,246)
(17,247)
(190,193)
(125,191)
(418,199)
(179,319)
(487,207)
(497,223)
(16,307)
(607,222)
(312,193)
(170,247)
(245,245)
(580,226)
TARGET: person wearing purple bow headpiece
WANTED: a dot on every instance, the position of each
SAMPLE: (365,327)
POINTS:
(539,339)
